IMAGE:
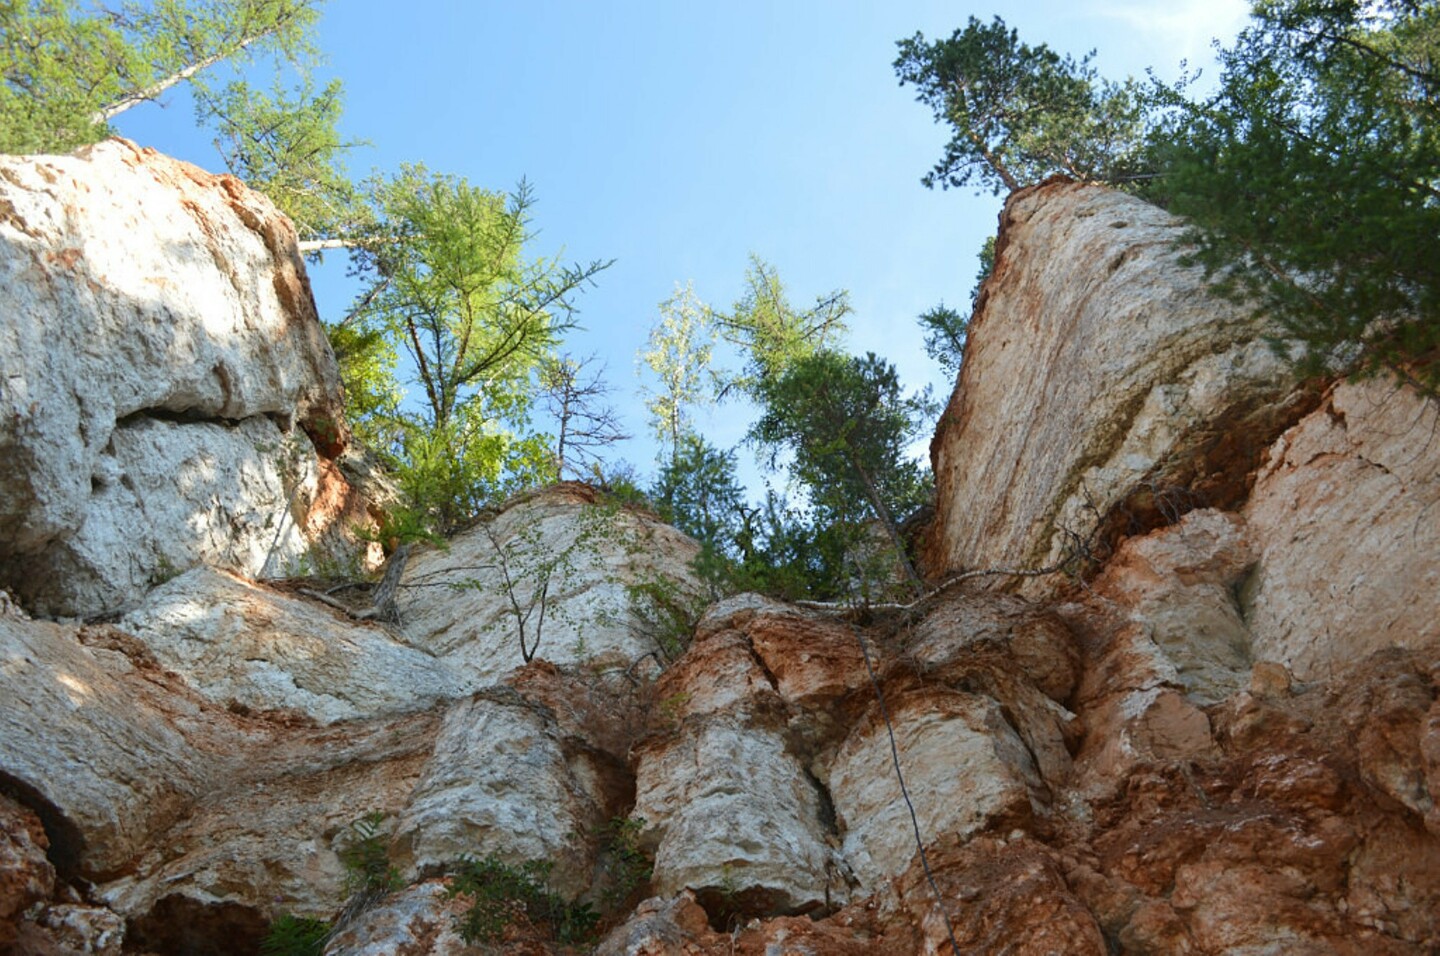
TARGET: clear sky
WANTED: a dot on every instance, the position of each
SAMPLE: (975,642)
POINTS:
(679,137)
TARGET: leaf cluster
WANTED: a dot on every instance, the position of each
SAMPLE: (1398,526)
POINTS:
(1019,113)
(501,895)
(1312,179)
(290,935)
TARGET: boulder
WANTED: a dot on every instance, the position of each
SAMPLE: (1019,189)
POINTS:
(965,770)
(1104,390)
(94,744)
(169,396)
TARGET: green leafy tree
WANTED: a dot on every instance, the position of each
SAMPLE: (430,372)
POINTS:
(771,333)
(678,353)
(68,70)
(474,319)
(846,422)
(1020,113)
(286,144)
(1313,179)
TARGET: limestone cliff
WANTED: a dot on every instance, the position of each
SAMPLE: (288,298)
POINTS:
(1219,734)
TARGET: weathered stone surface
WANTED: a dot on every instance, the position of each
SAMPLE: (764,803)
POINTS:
(418,921)
(965,770)
(168,350)
(506,780)
(1345,517)
(568,557)
(1177,587)
(1103,388)
(737,819)
(26,876)
(267,838)
(233,640)
(94,741)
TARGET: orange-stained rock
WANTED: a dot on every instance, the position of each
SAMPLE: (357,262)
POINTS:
(26,876)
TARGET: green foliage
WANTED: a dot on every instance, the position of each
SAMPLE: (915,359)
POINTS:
(678,353)
(626,863)
(1313,179)
(366,858)
(945,332)
(664,612)
(69,70)
(1020,113)
(476,319)
(846,423)
(499,894)
(295,936)
(773,334)
(697,492)
(286,145)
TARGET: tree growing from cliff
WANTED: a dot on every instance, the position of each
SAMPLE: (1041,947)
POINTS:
(678,353)
(68,70)
(771,333)
(846,422)
(1313,179)
(1019,113)
(453,290)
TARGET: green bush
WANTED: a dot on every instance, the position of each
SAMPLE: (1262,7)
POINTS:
(500,893)
(295,936)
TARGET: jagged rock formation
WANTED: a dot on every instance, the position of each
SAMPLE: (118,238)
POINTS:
(1222,737)
(1103,393)
(168,394)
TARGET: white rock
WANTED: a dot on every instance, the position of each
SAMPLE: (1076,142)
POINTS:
(236,641)
(157,336)
(1346,519)
(736,818)
(501,782)
(568,561)
(965,769)
(418,920)
(95,742)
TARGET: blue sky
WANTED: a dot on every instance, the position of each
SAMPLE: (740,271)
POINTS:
(677,138)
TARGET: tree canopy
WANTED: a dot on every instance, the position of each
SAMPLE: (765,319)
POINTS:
(1019,113)
(68,73)
(1312,178)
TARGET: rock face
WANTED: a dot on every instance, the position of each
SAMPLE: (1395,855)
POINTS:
(167,393)
(552,571)
(1103,391)
(1223,737)
(1346,521)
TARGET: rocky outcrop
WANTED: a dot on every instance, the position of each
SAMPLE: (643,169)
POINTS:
(1104,390)
(1345,519)
(553,575)
(167,393)
(244,645)
(1222,737)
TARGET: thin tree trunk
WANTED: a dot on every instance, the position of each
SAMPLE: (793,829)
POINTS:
(107,113)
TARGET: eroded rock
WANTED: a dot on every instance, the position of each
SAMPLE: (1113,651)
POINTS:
(169,397)
(1345,517)
(1104,389)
